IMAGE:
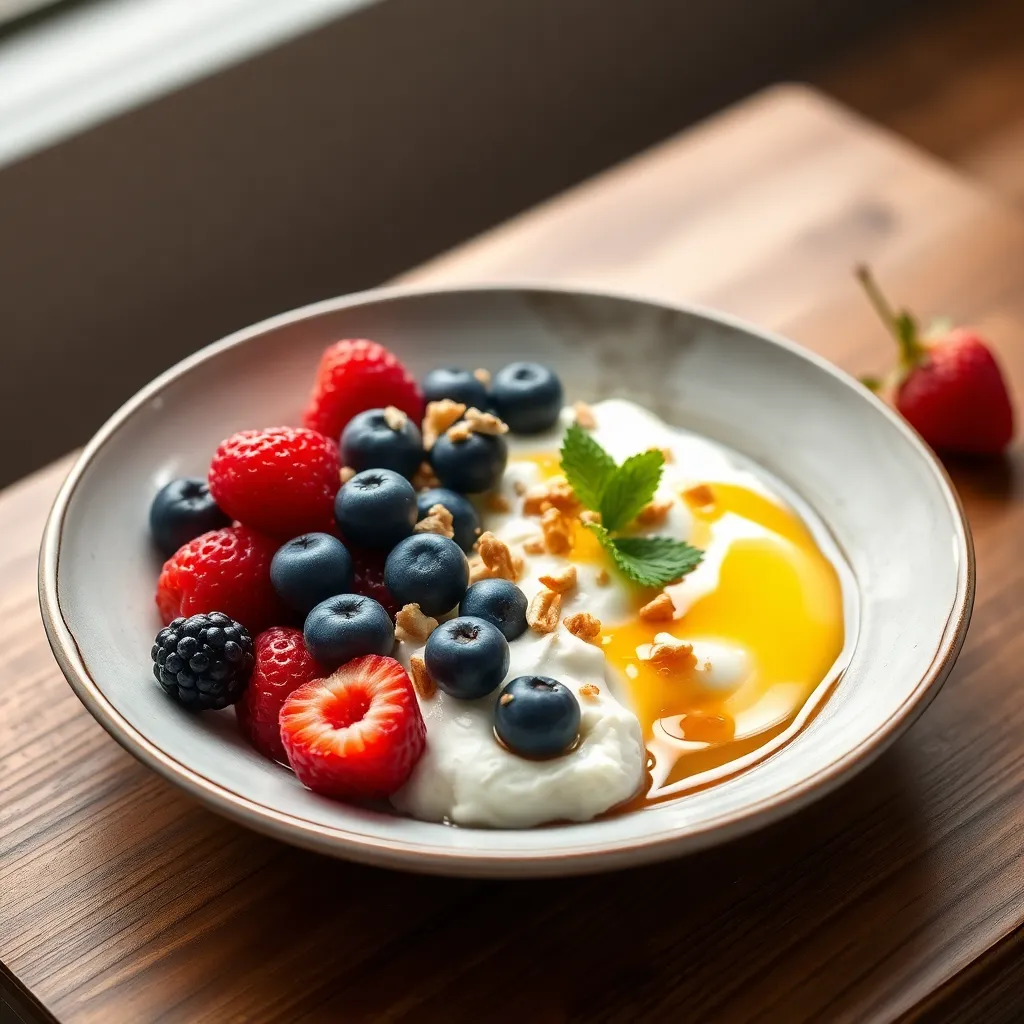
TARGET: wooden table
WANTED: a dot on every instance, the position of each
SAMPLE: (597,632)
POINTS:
(902,895)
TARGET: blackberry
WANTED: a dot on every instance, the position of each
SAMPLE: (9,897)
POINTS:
(204,661)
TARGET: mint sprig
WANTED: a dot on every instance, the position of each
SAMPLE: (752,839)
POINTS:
(619,493)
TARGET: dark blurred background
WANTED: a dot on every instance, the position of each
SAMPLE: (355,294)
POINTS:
(170,172)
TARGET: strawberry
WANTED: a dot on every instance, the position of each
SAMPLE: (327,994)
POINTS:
(355,375)
(281,481)
(356,734)
(282,665)
(948,385)
(226,570)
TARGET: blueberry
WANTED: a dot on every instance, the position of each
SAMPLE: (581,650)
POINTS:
(499,602)
(181,511)
(427,569)
(467,657)
(527,396)
(472,465)
(309,569)
(376,439)
(346,627)
(376,508)
(536,716)
(465,518)
(458,385)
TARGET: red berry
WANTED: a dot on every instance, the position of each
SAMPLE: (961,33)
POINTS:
(227,571)
(368,568)
(355,375)
(281,481)
(282,665)
(357,733)
(949,387)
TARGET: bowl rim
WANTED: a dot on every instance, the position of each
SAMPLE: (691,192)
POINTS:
(587,857)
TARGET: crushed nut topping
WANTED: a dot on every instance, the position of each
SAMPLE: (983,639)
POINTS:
(498,503)
(700,496)
(459,432)
(590,691)
(437,520)
(661,609)
(654,512)
(557,530)
(543,612)
(347,472)
(584,415)
(671,658)
(425,478)
(590,516)
(506,698)
(534,546)
(583,625)
(497,558)
(554,493)
(425,686)
(477,570)
(439,417)
(602,578)
(412,626)
(484,422)
(561,582)
(482,375)
(394,417)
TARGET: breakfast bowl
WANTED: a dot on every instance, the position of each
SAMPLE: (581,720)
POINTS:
(893,574)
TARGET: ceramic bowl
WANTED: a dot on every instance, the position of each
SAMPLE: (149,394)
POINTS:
(881,493)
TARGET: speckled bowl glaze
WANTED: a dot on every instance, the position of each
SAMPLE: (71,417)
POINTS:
(881,493)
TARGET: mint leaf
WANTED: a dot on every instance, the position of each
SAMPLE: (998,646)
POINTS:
(631,487)
(654,561)
(587,466)
(649,561)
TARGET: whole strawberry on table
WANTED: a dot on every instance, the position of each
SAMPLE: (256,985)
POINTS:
(946,383)
(284,570)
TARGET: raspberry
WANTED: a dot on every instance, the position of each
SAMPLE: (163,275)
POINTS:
(368,580)
(282,665)
(281,481)
(203,661)
(355,375)
(225,570)
(358,733)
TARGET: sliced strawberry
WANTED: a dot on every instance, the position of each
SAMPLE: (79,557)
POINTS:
(356,734)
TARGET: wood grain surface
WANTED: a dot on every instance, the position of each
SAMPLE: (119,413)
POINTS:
(121,900)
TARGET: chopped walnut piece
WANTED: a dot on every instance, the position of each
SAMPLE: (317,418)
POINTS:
(477,570)
(498,503)
(561,582)
(672,658)
(584,415)
(437,520)
(519,487)
(554,493)
(590,691)
(425,686)
(543,612)
(497,556)
(588,516)
(484,422)
(394,417)
(583,624)
(506,698)
(654,512)
(346,474)
(700,496)
(482,375)
(412,626)
(534,546)
(557,530)
(661,609)
(425,478)
(459,432)
(602,578)
(439,417)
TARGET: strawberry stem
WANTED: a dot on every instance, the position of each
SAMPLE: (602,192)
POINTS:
(901,325)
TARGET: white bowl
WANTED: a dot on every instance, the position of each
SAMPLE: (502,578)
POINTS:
(883,495)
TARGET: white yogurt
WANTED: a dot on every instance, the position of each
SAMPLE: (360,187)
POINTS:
(465,776)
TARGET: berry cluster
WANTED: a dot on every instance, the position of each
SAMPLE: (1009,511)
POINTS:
(305,538)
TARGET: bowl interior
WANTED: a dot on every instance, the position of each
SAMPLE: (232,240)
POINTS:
(881,494)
